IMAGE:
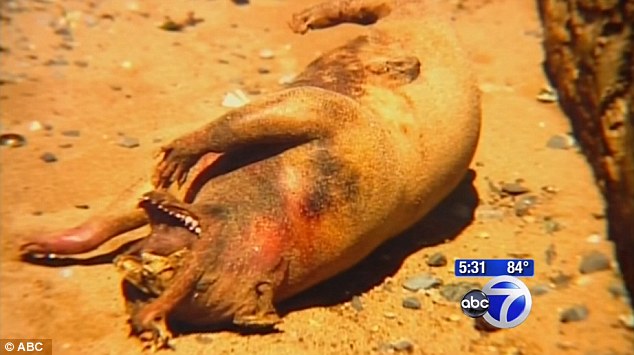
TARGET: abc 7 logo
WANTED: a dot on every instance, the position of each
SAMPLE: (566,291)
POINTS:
(504,302)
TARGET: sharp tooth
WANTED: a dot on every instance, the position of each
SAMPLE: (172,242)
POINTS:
(189,220)
(197,230)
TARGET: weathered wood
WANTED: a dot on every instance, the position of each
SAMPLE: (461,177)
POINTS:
(589,47)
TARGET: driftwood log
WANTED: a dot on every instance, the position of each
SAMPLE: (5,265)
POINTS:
(589,50)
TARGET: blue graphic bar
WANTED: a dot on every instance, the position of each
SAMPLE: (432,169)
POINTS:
(494,267)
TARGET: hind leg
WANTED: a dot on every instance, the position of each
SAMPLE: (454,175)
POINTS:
(121,216)
(85,237)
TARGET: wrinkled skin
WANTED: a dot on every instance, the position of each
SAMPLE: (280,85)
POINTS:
(276,196)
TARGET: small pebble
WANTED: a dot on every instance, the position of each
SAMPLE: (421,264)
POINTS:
(411,303)
(437,259)
(550,189)
(286,79)
(389,315)
(514,189)
(560,280)
(574,314)
(385,348)
(583,280)
(403,345)
(593,262)
(551,254)
(484,213)
(551,226)
(421,282)
(618,290)
(594,238)
(627,320)
(539,290)
(356,303)
(523,205)
(264,70)
(128,142)
(56,61)
(493,188)
(266,54)
(48,157)
(71,133)
(547,94)
(65,145)
(598,215)
(454,317)
(12,140)
(455,292)
(81,63)
(66,272)
(126,64)
(483,235)
(35,126)
(234,99)
(566,345)
(82,207)
(560,142)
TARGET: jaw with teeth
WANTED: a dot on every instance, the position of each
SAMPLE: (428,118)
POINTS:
(162,210)
(152,263)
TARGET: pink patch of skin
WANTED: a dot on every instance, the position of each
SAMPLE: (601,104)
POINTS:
(76,240)
(267,242)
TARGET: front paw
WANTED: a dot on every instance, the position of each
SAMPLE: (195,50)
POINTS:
(176,161)
(150,327)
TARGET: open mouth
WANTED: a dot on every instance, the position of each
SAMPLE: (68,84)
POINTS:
(163,212)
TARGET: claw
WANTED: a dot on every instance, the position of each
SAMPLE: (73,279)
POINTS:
(174,165)
(156,339)
(151,329)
